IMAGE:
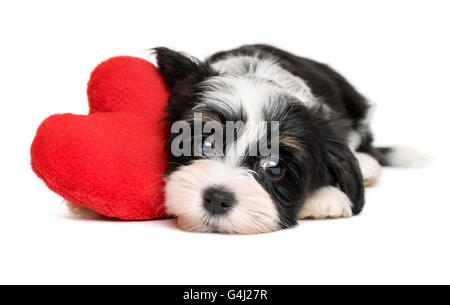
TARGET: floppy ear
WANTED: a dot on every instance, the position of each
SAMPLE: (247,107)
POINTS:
(181,75)
(180,71)
(344,167)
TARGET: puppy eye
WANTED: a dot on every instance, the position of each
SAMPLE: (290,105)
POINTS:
(205,147)
(208,147)
(272,169)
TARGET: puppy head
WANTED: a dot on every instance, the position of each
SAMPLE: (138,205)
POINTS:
(251,177)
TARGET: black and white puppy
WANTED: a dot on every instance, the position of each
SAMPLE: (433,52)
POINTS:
(324,155)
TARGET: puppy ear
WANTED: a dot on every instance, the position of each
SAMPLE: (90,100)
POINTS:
(179,70)
(344,167)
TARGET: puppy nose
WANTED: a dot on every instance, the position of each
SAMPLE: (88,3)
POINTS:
(217,200)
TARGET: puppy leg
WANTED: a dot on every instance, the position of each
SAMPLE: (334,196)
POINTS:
(370,168)
(82,211)
(326,202)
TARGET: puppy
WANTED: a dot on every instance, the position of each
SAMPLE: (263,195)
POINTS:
(324,154)
(315,122)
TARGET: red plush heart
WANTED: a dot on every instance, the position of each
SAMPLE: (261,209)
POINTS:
(112,160)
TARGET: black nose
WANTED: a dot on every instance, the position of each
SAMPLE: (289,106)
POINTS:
(217,200)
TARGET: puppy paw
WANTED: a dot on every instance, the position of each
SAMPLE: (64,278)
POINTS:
(326,202)
(370,168)
(82,211)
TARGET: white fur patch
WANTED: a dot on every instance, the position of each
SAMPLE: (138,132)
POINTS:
(250,95)
(354,140)
(253,213)
(356,136)
(232,93)
(326,202)
(405,156)
(266,68)
(370,168)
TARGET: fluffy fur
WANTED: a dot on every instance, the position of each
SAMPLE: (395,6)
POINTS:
(255,212)
(325,151)
(326,202)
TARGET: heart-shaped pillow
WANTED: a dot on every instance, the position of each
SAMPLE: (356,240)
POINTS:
(111,161)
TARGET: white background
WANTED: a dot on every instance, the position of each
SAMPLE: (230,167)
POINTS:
(395,52)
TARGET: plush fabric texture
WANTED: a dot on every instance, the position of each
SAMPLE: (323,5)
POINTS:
(111,161)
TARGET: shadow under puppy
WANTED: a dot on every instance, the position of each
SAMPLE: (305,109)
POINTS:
(324,157)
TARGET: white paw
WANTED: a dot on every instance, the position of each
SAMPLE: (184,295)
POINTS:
(82,211)
(370,168)
(326,202)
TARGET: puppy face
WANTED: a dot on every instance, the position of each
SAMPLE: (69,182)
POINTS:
(231,182)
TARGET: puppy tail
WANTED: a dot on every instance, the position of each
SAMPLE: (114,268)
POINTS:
(400,156)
